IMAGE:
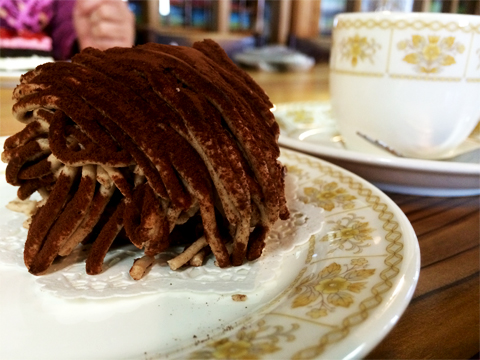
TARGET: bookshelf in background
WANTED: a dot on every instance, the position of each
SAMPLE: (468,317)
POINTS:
(204,14)
(199,15)
(237,24)
(234,24)
(448,6)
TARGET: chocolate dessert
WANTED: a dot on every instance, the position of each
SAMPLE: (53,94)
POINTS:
(157,144)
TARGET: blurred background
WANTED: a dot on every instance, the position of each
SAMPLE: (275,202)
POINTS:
(303,25)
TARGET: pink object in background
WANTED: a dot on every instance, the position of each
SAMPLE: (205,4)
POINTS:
(49,17)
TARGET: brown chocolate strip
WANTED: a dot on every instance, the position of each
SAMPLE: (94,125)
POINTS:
(67,222)
(100,200)
(31,131)
(47,214)
(19,156)
(154,225)
(103,242)
(212,50)
(28,187)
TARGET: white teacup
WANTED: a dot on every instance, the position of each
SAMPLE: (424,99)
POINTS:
(411,80)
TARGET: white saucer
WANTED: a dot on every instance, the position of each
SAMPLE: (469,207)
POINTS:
(310,128)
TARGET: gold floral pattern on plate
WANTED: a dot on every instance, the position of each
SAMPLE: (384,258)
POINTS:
(349,233)
(328,195)
(366,253)
(324,194)
(334,286)
(430,53)
(301,117)
(251,344)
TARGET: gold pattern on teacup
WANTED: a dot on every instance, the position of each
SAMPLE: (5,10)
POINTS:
(402,24)
(358,48)
(430,53)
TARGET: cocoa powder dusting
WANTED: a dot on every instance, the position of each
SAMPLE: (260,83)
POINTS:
(197,129)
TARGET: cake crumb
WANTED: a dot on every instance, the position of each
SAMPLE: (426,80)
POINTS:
(239,297)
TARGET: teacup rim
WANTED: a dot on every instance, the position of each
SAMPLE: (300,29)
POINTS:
(406,15)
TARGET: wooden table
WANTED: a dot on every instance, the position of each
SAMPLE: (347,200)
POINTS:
(442,321)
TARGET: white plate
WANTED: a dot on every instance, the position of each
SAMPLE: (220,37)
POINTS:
(337,295)
(310,128)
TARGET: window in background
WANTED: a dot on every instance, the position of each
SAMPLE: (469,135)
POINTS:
(388,5)
(468,6)
(139,11)
(200,14)
(195,14)
(330,8)
(242,15)
(436,6)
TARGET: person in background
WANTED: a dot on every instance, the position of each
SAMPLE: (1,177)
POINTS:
(72,24)
(103,23)
(97,23)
